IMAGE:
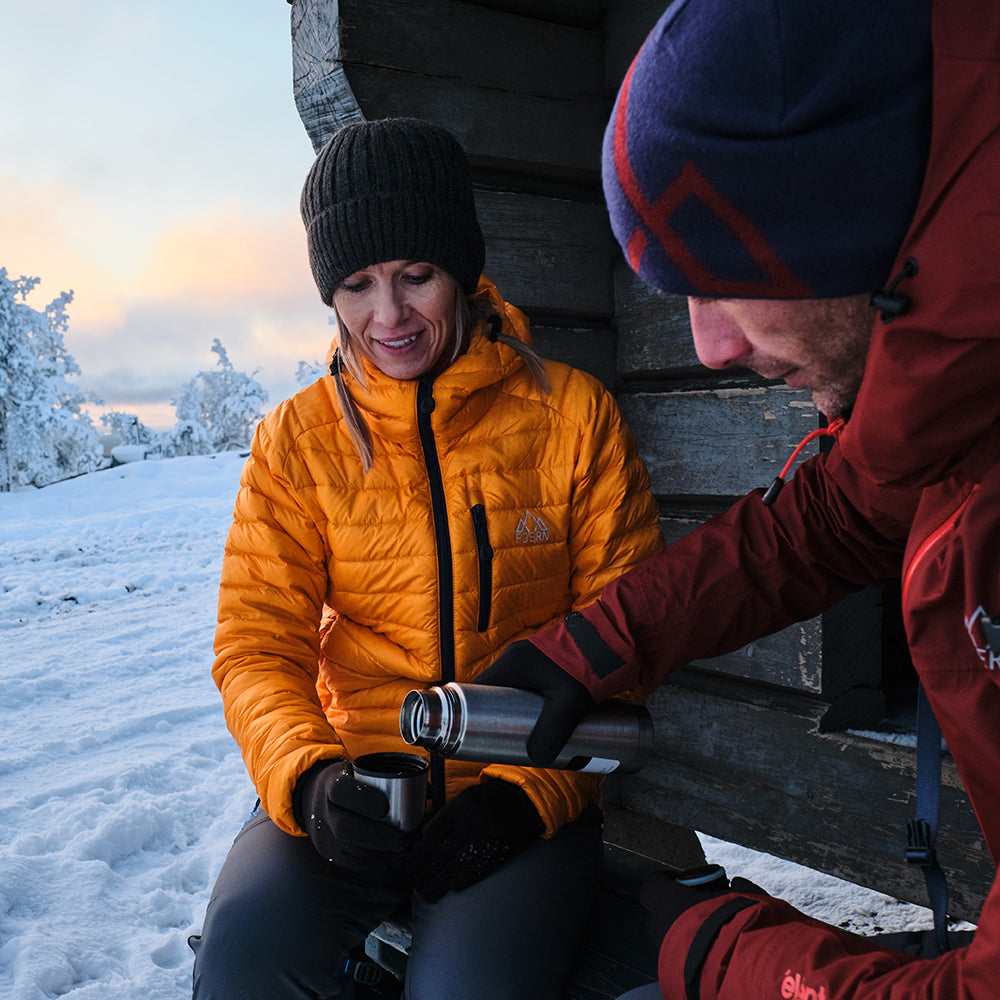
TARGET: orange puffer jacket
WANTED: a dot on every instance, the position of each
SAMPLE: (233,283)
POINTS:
(491,509)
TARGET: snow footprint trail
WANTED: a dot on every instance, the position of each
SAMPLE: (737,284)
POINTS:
(120,788)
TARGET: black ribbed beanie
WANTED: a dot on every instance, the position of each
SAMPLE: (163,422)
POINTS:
(393,189)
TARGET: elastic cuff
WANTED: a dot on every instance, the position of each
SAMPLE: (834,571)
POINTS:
(602,659)
(586,645)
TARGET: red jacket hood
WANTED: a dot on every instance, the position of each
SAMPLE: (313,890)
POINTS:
(929,406)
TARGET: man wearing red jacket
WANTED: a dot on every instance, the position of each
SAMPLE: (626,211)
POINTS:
(823,182)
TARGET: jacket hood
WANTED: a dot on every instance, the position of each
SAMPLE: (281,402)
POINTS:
(928,408)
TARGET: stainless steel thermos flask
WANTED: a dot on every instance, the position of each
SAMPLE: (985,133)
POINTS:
(492,724)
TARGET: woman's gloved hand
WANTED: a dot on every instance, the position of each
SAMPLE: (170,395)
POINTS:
(472,836)
(345,820)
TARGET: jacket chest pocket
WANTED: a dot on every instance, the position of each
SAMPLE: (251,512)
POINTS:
(484,556)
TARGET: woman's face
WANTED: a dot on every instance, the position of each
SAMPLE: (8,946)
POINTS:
(399,314)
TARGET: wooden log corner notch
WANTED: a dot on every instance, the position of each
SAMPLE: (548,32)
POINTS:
(323,96)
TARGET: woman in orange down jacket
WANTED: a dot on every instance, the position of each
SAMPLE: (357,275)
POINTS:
(440,494)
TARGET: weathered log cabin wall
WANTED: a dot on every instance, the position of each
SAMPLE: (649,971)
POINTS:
(751,747)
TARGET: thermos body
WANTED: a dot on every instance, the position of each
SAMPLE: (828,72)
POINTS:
(491,724)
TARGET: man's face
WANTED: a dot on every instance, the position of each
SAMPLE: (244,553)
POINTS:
(816,344)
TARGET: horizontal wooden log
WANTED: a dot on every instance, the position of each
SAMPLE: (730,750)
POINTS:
(591,350)
(547,255)
(500,130)
(721,442)
(791,658)
(583,13)
(521,94)
(654,332)
(645,835)
(474,45)
(626,24)
(749,767)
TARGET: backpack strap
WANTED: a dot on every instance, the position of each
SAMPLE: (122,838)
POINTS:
(921,831)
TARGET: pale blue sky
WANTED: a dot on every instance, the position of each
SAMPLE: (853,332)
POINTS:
(151,159)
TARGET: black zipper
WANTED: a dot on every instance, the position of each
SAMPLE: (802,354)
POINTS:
(446,578)
(484,551)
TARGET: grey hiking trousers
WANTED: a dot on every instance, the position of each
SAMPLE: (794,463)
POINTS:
(281,923)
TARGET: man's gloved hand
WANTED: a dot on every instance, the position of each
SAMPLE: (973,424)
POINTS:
(472,836)
(523,665)
(345,820)
(666,895)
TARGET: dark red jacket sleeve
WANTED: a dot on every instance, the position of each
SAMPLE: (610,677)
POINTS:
(747,573)
(771,950)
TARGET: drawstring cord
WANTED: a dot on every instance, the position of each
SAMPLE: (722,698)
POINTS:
(888,300)
(833,430)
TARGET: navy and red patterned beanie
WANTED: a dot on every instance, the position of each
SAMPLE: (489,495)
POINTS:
(771,148)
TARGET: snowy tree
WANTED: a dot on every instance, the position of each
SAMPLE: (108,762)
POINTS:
(187,438)
(128,428)
(309,371)
(216,410)
(45,435)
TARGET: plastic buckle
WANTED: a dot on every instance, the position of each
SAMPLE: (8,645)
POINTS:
(366,973)
(919,850)
(708,878)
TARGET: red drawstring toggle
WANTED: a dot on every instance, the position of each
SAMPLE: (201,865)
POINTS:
(833,430)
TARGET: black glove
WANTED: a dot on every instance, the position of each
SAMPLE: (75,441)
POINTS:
(345,820)
(523,665)
(472,836)
(666,895)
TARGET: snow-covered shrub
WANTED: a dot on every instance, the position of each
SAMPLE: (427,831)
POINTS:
(224,403)
(309,371)
(45,435)
(187,438)
(127,428)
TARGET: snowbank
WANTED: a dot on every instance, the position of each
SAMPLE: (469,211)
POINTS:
(120,788)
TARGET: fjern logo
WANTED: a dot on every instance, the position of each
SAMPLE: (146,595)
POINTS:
(793,988)
(530,529)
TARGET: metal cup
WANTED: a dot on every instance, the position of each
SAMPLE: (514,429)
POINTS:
(403,778)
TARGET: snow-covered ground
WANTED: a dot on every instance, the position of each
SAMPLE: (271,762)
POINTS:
(120,788)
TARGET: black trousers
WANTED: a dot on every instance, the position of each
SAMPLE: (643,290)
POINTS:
(281,923)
